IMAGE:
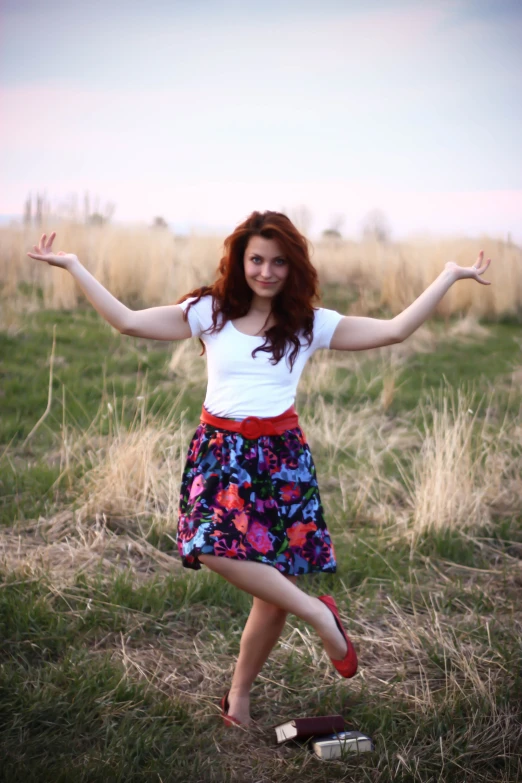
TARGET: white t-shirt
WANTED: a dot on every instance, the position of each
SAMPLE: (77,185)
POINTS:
(241,386)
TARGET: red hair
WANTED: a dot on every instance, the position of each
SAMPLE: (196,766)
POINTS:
(292,307)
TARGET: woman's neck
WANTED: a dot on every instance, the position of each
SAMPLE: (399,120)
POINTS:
(260,306)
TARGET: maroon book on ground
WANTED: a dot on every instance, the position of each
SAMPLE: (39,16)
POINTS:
(304,728)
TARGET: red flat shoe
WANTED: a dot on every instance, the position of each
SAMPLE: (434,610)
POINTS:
(228,720)
(348,666)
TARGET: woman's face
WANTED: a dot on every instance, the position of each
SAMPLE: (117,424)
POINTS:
(266,268)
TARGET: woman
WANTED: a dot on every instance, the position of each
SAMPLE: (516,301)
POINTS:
(250,508)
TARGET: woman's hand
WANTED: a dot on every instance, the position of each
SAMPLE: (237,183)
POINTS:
(44,252)
(478,268)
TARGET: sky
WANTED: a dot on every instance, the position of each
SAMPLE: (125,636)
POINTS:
(202,110)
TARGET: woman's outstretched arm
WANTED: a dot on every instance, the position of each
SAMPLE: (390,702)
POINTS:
(156,323)
(355,333)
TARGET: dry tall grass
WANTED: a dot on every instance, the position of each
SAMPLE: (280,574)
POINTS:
(132,476)
(149,267)
(467,469)
(462,471)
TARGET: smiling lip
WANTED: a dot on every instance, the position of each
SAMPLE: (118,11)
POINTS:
(262,282)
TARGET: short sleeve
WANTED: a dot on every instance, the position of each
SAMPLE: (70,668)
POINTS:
(199,315)
(325,324)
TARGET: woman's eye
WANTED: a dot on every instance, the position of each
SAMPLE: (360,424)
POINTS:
(255,259)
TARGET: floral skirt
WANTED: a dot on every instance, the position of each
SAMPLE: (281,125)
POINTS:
(253,500)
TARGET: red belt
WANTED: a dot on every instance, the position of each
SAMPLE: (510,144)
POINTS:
(253,426)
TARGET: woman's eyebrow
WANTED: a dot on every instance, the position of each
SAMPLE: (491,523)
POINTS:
(259,255)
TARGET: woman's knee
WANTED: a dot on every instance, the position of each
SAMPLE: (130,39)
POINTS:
(271,613)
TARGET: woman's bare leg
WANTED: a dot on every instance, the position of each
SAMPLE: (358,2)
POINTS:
(261,632)
(270,586)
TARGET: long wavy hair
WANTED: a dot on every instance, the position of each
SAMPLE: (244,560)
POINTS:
(292,307)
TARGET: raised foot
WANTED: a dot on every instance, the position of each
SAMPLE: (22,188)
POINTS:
(332,638)
(343,656)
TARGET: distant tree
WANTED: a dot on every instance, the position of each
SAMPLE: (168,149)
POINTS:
(86,206)
(28,211)
(110,209)
(334,229)
(375,226)
(41,209)
(35,213)
(160,223)
(331,233)
(100,216)
(96,219)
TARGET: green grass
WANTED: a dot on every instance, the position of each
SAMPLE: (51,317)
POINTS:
(26,490)
(91,361)
(117,674)
(480,364)
(82,720)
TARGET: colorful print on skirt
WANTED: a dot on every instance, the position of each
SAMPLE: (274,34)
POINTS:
(253,500)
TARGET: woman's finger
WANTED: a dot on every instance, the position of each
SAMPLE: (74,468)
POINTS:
(480,258)
(481,270)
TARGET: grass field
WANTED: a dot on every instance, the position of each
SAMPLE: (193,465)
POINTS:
(114,658)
